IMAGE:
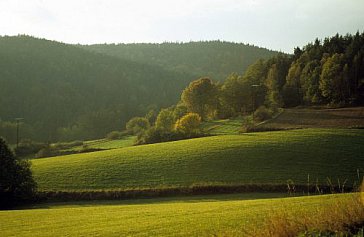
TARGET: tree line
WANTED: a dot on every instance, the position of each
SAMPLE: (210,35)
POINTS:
(328,72)
(214,59)
(70,92)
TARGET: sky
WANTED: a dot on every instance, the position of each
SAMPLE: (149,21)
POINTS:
(274,24)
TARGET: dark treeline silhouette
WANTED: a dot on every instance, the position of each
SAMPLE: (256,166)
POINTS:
(65,92)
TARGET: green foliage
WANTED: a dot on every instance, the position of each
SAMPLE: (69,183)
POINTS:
(201,97)
(329,72)
(165,130)
(151,116)
(235,96)
(262,113)
(206,160)
(114,135)
(214,59)
(16,180)
(27,148)
(165,120)
(273,98)
(64,92)
(189,124)
(333,79)
(137,125)
(46,151)
(179,111)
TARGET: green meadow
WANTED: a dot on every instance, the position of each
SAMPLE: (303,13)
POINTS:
(105,144)
(253,158)
(226,215)
(223,126)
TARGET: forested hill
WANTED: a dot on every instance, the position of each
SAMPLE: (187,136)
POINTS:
(65,92)
(215,59)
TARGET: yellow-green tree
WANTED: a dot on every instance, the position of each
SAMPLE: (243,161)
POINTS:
(165,120)
(201,97)
(333,79)
(189,124)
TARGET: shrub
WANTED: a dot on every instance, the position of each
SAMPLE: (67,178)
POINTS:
(47,151)
(189,124)
(16,180)
(67,145)
(137,125)
(114,135)
(28,147)
(165,120)
(262,113)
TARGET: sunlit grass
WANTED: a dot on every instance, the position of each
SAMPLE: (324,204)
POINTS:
(255,158)
(156,217)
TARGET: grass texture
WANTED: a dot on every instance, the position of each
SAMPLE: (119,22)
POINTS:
(225,215)
(254,158)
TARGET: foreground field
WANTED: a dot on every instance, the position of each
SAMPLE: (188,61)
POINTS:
(255,158)
(225,214)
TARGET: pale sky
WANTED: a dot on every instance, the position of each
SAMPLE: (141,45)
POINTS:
(274,24)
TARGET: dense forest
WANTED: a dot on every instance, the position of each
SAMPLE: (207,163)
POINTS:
(325,72)
(214,59)
(328,72)
(65,92)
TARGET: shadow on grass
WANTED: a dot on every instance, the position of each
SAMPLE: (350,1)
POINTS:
(160,200)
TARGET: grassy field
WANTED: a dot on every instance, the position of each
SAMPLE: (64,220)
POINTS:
(105,144)
(222,127)
(263,158)
(319,118)
(198,216)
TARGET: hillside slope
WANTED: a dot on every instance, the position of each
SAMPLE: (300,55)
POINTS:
(54,86)
(262,158)
(215,59)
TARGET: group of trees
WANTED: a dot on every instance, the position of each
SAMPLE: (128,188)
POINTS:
(67,92)
(173,123)
(73,92)
(64,92)
(214,59)
(328,72)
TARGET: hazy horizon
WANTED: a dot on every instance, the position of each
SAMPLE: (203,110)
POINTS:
(275,25)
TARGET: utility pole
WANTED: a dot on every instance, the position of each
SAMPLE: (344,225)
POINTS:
(17,130)
(253,98)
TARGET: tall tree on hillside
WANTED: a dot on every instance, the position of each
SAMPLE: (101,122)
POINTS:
(292,89)
(234,96)
(273,98)
(201,97)
(310,78)
(255,75)
(333,81)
